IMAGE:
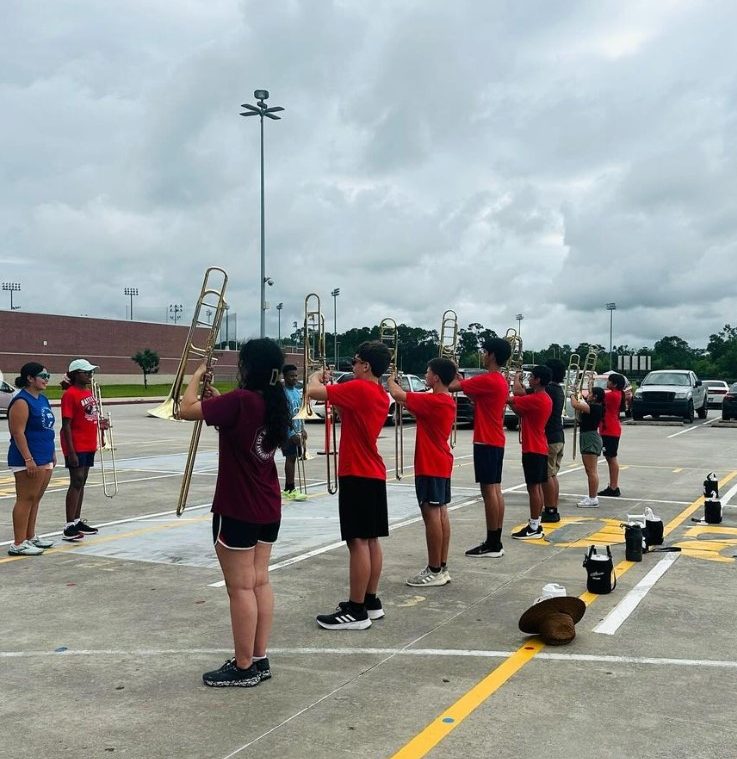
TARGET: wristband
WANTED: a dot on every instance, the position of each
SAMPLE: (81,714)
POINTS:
(31,459)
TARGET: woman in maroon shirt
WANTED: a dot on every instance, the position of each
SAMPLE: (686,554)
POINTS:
(252,421)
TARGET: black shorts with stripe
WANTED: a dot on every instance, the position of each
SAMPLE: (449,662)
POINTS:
(432,490)
(362,507)
(241,536)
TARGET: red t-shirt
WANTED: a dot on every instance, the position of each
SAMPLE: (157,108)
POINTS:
(534,410)
(363,408)
(79,405)
(610,424)
(489,394)
(247,486)
(435,413)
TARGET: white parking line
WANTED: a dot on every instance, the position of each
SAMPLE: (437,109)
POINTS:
(692,427)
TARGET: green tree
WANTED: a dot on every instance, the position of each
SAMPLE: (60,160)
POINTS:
(148,360)
(673,353)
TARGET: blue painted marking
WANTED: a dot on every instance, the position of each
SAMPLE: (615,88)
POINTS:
(60,649)
(448,719)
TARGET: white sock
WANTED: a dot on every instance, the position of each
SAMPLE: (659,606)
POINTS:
(69,524)
(77,520)
(534,524)
(258,658)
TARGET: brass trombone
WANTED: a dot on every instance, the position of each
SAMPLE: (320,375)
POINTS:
(580,375)
(106,446)
(212,298)
(449,350)
(516,359)
(389,335)
(313,360)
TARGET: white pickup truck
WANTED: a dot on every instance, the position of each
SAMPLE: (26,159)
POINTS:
(670,392)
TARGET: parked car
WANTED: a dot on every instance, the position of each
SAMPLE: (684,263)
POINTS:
(6,394)
(715,392)
(318,407)
(729,403)
(670,392)
(600,380)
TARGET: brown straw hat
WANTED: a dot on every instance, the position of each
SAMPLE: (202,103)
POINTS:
(553,619)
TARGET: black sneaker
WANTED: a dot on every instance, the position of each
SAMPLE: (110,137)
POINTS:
(344,619)
(612,492)
(263,668)
(527,533)
(486,550)
(374,609)
(72,534)
(85,529)
(232,676)
(550,515)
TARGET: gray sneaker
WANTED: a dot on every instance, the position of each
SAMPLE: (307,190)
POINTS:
(428,578)
(41,542)
(26,548)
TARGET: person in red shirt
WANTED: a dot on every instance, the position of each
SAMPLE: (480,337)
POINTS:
(435,413)
(534,410)
(79,437)
(489,393)
(252,422)
(363,405)
(610,430)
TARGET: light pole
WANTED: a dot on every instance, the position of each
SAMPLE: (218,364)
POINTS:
(279,307)
(131,291)
(12,287)
(335,293)
(175,312)
(611,308)
(519,319)
(261,110)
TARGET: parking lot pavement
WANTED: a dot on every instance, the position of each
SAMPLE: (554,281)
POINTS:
(104,642)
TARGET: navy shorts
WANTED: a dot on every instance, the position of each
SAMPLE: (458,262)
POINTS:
(291,450)
(85,459)
(535,468)
(488,461)
(432,490)
(611,446)
(240,536)
(362,508)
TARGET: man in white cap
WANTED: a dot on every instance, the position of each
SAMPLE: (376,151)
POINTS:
(80,420)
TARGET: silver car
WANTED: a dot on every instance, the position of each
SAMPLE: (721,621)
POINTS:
(6,393)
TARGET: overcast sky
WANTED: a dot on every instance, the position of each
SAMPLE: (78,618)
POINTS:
(497,158)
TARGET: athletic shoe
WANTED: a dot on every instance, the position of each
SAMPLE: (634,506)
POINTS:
(550,515)
(485,550)
(444,571)
(230,675)
(85,529)
(72,534)
(427,578)
(41,542)
(374,609)
(298,496)
(588,503)
(26,548)
(344,619)
(263,668)
(612,492)
(527,533)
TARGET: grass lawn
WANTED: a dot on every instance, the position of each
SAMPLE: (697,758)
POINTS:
(133,390)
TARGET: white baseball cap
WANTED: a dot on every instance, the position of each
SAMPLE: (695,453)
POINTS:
(82,365)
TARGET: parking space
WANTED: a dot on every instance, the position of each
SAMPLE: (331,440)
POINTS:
(115,632)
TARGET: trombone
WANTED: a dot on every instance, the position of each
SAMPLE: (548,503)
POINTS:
(106,446)
(449,350)
(313,359)
(212,298)
(389,335)
(580,375)
(515,361)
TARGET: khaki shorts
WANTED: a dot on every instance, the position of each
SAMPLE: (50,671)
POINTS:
(555,458)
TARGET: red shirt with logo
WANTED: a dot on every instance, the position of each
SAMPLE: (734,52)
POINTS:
(78,404)
(610,424)
(247,485)
(489,393)
(435,413)
(534,410)
(363,408)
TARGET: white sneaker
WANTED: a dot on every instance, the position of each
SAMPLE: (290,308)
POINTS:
(41,542)
(26,548)
(588,503)
(446,574)
(427,578)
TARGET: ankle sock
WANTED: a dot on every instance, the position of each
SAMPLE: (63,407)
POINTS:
(434,570)
(357,608)
(534,523)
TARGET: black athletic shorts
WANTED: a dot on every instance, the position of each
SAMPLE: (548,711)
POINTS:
(291,450)
(611,446)
(488,461)
(240,536)
(432,490)
(535,468)
(362,508)
(85,459)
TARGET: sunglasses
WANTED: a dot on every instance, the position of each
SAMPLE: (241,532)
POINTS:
(357,360)
(43,375)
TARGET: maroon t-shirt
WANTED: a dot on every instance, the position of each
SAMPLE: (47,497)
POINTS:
(248,485)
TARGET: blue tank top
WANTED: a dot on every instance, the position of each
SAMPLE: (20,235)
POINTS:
(39,431)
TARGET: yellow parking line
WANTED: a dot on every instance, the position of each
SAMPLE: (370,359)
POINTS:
(448,720)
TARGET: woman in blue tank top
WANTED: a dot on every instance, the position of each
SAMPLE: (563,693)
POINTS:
(31,456)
